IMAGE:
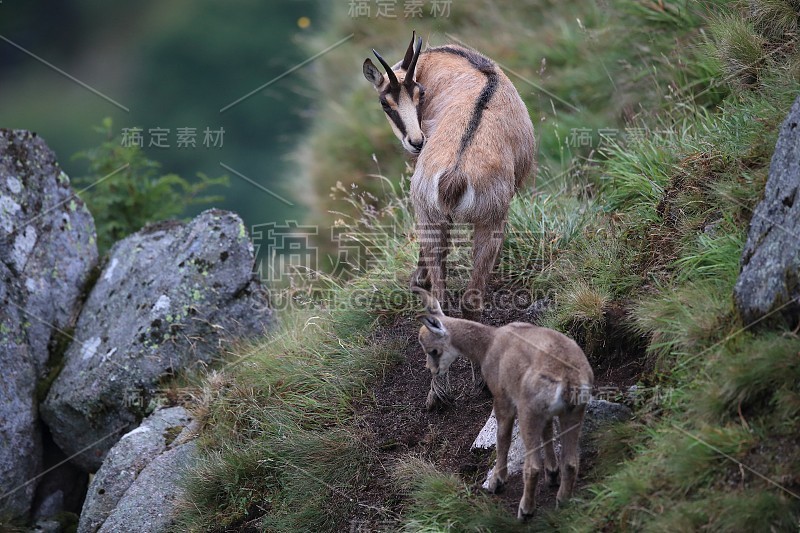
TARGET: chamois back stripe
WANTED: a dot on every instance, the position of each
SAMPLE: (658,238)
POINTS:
(487,68)
(475,59)
(453,184)
(477,113)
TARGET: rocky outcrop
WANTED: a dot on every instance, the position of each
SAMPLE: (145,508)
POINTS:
(599,414)
(152,502)
(166,300)
(770,276)
(139,473)
(47,251)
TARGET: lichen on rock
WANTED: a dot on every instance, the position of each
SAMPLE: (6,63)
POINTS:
(165,302)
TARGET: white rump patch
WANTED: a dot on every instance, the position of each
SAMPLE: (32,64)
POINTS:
(425,191)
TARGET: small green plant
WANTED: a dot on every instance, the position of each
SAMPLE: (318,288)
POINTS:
(125,190)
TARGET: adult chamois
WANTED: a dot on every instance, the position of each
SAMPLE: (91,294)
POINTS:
(535,374)
(462,119)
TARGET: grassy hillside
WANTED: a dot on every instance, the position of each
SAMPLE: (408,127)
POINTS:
(588,71)
(635,236)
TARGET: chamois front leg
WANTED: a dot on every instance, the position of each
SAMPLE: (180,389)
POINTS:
(504,414)
(488,238)
(434,241)
(434,244)
(421,277)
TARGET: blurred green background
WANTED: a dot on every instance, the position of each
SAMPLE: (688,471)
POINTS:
(173,64)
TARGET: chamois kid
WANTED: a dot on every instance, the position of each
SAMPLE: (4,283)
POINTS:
(533,373)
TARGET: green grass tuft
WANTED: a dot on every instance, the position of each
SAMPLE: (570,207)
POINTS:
(758,373)
(740,49)
(442,502)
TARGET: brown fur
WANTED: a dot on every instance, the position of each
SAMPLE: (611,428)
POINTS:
(534,373)
(501,153)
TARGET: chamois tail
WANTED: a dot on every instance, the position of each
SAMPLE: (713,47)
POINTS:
(452,186)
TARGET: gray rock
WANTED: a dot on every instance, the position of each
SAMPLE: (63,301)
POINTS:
(21,449)
(126,460)
(151,503)
(770,275)
(167,300)
(47,238)
(599,413)
(47,251)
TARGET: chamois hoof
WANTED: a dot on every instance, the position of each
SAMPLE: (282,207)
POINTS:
(553,478)
(433,402)
(524,516)
(496,486)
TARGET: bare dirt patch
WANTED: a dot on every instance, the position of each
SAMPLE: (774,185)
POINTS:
(395,422)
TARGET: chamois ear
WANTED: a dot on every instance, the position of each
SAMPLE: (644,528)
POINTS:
(409,52)
(372,73)
(433,324)
(429,301)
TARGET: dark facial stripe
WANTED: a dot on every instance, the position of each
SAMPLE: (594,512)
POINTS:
(486,67)
(394,116)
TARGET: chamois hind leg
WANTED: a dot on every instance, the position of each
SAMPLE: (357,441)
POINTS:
(550,463)
(488,238)
(434,243)
(570,424)
(421,277)
(504,414)
(531,428)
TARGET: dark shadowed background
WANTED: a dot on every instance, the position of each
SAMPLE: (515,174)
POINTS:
(174,64)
